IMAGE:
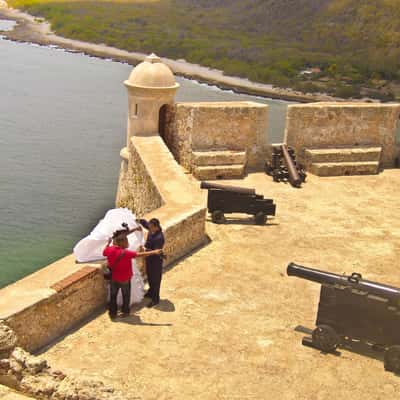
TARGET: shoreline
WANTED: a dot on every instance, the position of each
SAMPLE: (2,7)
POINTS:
(30,30)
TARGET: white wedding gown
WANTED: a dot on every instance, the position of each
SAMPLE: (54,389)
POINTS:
(91,247)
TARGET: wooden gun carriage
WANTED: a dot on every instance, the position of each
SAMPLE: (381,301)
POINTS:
(230,199)
(352,308)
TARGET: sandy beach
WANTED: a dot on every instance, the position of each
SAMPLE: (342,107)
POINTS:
(31,29)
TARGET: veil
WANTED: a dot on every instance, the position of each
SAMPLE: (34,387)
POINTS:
(91,247)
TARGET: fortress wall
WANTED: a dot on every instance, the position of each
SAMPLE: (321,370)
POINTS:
(318,125)
(209,126)
(177,134)
(46,304)
(182,213)
(136,189)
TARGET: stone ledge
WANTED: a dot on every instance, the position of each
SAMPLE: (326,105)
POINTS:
(344,104)
(84,272)
(43,305)
(215,172)
(222,104)
(345,168)
(35,287)
(343,154)
(218,157)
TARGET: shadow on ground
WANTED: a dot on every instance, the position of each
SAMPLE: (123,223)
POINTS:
(243,221)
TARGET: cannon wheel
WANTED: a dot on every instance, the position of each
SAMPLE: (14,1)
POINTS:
(217,217)
(392,359)
(325,338)
(268,168)
(260,218)
(276,175)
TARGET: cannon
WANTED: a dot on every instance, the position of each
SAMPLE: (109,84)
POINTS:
(230,199)
(354,309)
(284,167)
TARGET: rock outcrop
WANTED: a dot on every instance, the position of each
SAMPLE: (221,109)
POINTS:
(8,340)
(32,375)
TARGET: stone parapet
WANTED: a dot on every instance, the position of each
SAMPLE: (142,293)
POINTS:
(178,201)
(324,125)
(42,306)
(217,126)
(136,189)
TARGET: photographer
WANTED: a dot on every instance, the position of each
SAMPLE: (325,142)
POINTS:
(120,263)
(155,241)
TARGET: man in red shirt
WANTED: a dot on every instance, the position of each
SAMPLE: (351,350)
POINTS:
(120,263)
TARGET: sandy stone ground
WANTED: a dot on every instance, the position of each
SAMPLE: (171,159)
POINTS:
(8,394)
(225,328)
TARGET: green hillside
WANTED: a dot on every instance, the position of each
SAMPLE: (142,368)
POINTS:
(348,47)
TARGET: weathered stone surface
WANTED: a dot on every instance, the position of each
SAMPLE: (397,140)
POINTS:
(345,168)
(160,185)
(235,126)
(4,365)
(35,365)
(73,389)
(8,340)
(42,321)
(219,172)
(41,386)
(136,189)
(356,160)
(343,154)
(33,376)
(9,394)
(321,125)
(218,157)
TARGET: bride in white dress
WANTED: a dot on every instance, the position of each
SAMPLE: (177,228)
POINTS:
(91,247)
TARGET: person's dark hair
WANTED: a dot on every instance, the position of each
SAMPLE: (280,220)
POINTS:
(156,222)
(120,240)
(121,232)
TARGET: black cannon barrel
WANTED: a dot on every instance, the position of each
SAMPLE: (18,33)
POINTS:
(208,185)
(355,281)
(294,177)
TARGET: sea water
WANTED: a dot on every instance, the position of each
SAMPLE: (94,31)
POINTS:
(62,125)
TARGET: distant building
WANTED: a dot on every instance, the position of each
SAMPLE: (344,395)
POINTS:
(311,71)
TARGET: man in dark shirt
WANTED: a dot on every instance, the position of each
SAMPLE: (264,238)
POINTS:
(155,241)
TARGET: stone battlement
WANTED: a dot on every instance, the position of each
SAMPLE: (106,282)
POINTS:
(330,125)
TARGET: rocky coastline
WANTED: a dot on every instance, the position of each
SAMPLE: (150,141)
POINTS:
(33,30)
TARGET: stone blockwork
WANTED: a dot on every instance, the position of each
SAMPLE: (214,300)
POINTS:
(136,189)
(182,213)
(220,126)
(46,304)
(327,125)
(335,161)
